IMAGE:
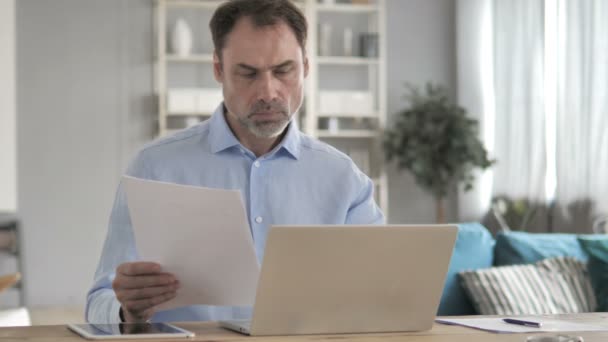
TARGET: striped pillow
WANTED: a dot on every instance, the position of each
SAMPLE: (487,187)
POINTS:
(550,286)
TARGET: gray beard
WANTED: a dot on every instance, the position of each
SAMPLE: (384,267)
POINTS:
(269,129)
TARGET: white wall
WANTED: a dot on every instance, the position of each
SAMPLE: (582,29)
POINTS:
(421,48)
(84,101)
(84,84)
(8,167)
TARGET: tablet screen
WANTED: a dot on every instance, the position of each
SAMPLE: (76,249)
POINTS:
(129,329)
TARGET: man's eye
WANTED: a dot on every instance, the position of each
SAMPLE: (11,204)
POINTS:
(282,72)
(249,75)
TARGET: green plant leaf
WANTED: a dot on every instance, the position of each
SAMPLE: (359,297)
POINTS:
(435,141)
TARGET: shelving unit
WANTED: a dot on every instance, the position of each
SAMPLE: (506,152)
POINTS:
(166,62)
(360,18)
(200,58)
(341,60)
(358,133)
(351,133)
(10,259)
(346,115)
(347,7)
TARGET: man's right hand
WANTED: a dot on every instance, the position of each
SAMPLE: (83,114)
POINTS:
(140,287)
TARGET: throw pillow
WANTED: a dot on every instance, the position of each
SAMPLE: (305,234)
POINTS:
(514,248)
(474,249)
(551,286)
(597,247)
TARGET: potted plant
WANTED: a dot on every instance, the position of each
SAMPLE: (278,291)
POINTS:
(435,140)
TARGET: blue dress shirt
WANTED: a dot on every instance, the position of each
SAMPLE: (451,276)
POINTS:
(301,181)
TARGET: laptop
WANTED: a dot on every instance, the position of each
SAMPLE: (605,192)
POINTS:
(350,279)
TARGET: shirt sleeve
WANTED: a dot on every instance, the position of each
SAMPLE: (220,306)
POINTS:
(119,247)
(363,209)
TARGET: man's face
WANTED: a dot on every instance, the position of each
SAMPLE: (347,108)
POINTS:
(262,72)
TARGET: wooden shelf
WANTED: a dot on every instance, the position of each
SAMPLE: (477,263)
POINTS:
(347,8)
(188,114)
(195,58)
(169,132)
(346,60)
(345,133)
(210,4)
(350,116)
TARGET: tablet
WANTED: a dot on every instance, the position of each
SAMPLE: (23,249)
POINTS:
(129,331)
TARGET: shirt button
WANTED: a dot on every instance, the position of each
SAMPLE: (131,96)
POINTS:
(259,219)
(256,164)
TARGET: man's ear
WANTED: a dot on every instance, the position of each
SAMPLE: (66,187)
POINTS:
(306,66)
(218,72)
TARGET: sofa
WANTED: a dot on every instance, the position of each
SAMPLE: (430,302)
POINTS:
(477,249)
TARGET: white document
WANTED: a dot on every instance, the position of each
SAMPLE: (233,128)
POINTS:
(200,235)
(497,325)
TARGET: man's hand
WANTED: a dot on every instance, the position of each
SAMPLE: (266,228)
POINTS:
(140,287)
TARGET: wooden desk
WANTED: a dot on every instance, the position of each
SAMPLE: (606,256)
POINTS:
(211,332)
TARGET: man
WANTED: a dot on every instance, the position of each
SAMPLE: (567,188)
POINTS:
(250,144)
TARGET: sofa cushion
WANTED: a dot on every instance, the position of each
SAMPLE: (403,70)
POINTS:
(552,286)
(597,247)
(473,249)
(513,248)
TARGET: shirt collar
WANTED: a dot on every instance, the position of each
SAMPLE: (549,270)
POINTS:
(291,140)
(220,134)
(222,138)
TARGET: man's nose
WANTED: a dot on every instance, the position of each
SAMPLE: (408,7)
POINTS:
(267,87)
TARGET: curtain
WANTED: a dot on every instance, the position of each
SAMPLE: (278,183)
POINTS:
(500,76)
(582,112)
(475,89)
(519,126)
(537,80)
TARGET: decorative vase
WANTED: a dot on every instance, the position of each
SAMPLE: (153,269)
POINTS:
(333,125)
(324,39)
(192,120)
(369,45)
(181,38)
(348,42)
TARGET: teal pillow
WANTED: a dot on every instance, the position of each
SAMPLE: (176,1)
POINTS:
(597,247)
(514,248)
(473,249)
